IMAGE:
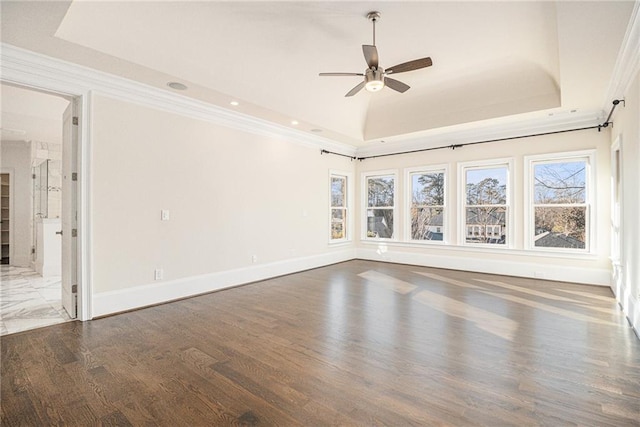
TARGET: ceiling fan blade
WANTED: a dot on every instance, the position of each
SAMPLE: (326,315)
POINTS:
(396,85)
(341,74)
(410,66)
(370,55)
(355,89)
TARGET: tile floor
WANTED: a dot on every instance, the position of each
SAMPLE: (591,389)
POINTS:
(28,300)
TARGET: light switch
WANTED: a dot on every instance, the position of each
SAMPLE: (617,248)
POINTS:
(164,215)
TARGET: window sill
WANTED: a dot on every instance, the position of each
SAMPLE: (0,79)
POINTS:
(483,249)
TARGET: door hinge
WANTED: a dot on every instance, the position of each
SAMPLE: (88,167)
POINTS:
(33,176)
(33,250)
(74,232)
(74,289)
(74,176)
(75,121)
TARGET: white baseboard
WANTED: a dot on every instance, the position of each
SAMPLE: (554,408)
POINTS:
(632,311)
(630,306)
(591,276)
(105,303)
(20,261)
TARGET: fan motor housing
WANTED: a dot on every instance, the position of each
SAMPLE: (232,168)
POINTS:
(374,79)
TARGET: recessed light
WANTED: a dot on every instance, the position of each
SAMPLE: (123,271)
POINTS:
(177,86)
(316,130)
(294,122)
(234,103)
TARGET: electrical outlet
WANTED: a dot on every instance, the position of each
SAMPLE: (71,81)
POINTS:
(164,215)
(254,258)
(159,274)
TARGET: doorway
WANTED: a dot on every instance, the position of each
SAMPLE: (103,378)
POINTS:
(33,144)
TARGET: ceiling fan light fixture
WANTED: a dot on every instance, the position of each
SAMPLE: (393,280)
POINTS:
(374,80)
(374,86)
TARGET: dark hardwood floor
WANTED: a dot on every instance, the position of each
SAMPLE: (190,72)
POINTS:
(357,343)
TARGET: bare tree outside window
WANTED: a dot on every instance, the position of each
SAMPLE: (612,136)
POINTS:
(338,207)
(427,205)
(486,205)
(380,206)
(560,204)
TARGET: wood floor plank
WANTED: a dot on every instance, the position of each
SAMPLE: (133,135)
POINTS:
(356,343)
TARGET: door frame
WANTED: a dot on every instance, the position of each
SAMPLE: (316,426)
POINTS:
(82,97)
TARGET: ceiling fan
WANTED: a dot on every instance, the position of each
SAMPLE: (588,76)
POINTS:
(375,77)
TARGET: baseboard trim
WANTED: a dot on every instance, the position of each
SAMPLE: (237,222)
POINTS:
(630,306)
(112,302)
(590,276)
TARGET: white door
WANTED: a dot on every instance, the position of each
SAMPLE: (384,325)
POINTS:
(69,210)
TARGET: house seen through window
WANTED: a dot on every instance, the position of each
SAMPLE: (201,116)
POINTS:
(486,208)
(427,205)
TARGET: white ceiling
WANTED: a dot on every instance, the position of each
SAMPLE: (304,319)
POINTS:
(491,59)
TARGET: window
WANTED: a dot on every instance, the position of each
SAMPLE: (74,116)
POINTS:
(380,194)
(339,211)
(559,202)
(426,204)
(485,203)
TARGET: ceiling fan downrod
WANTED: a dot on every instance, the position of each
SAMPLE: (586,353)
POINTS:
(373,17)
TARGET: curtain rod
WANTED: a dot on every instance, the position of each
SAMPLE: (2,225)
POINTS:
(454,146)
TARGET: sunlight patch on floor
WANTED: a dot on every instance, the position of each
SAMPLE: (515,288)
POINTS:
(527,290)
(389,282)
(588,295)
(549,308)
(489,322)
(448,280)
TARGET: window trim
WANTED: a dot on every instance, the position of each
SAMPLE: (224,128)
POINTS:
(529,205)
(349,211)
(365,204)
(462,201)
(408,172)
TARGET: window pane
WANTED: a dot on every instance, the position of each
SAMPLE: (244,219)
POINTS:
(338,222)
(562,227)
(338,187)
(428,188)
(486,186)
(560,182)
(426,223)
(486,225)
(380,223)
(380,191)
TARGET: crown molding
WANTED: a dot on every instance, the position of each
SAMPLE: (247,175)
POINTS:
(627,64)
(27,68)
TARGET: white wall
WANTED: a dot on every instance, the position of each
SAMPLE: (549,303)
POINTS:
(231,195)
(594,269)
(16,156)
(626,128)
